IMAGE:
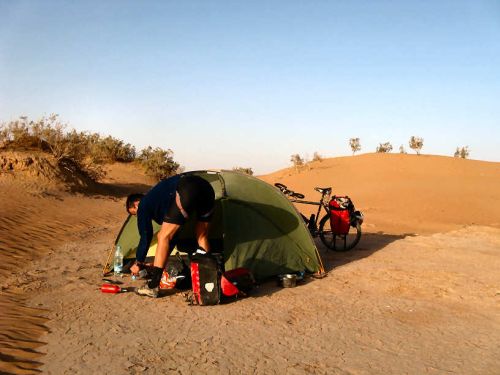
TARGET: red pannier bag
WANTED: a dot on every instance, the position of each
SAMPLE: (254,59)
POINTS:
(205,279)
(237,282)
(340,214)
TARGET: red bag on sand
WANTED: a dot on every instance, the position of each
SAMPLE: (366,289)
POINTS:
(205,279)
(340,214)
(237,282)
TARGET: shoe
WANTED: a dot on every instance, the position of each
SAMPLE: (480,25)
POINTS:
(145,290)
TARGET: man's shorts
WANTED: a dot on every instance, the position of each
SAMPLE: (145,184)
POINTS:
(194,195)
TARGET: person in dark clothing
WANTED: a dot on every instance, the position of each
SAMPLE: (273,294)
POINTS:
(170,203)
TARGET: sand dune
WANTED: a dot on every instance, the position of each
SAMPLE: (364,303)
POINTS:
(406,193)
(420,293)
(33,223)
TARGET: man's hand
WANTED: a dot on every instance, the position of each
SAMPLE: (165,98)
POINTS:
(134,270)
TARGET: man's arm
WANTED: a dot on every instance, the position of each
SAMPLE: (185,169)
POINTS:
(145,227)
(202,235)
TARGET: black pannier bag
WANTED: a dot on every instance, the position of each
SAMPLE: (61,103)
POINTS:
(206,271)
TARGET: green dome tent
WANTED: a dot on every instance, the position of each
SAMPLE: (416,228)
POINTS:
(254,226)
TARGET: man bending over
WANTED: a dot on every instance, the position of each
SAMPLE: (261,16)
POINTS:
(170,203)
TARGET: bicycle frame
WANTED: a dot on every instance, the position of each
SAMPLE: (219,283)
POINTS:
(324,196)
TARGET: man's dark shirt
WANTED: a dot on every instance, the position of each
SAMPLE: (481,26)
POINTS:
(154,206)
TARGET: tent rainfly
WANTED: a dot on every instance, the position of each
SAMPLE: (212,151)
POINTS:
(254,226)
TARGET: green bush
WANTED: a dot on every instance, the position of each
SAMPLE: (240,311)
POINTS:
(81,150)
(158,163)
(111,149)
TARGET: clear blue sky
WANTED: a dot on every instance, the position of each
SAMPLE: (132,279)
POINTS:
(233,83)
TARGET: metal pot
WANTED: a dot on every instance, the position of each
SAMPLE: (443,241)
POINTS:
(289,281)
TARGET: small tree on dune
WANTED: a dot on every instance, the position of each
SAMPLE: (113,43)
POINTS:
(416,143)
(384,147)
(317,157)
(355,145)
(462,152)
(297,161)
(402,150)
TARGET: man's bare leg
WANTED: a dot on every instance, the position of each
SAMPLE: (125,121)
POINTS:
(165,235)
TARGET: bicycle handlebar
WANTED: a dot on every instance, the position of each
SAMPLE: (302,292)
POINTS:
(290,193)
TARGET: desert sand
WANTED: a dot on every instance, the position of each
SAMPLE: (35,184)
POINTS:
(419,294)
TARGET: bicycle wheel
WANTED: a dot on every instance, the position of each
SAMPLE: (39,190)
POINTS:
(338,242)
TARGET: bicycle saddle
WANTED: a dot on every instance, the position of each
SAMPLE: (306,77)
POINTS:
(323,190)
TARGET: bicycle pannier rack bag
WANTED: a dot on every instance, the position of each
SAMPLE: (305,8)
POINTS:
(341,208)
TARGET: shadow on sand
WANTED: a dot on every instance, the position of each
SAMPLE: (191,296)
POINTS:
(114,190)
(369,244)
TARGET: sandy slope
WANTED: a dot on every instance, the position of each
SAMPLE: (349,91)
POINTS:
(34,221)
(398,303)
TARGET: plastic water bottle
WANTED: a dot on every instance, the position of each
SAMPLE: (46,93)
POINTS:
(172,272)
(118,262)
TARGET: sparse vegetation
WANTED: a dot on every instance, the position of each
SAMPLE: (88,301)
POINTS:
(384,147)
(248,171)
(317,157)
(402,150)
(355,145)
(297,161)
(158,163)
(416,143)
(83,151)
(462,152)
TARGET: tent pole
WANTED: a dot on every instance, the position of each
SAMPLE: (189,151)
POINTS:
(105,269)
(321,266)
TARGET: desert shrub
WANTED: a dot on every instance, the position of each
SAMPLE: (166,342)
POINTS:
(297,161)
(355,145)
(111,149)
(402,150)
(462,152)
(384,147)
(317,157)
(83,151)
(17,133)
(416,143)
(69,148)
(73,150)
(158,163)
(248,171)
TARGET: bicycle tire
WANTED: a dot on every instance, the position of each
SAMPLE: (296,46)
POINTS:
(337,242)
